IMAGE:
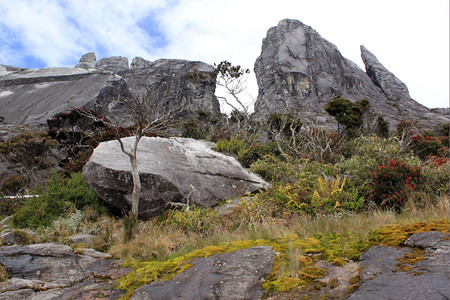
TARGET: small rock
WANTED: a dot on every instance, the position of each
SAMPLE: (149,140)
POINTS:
(16,236)
(86,239)
(94,253)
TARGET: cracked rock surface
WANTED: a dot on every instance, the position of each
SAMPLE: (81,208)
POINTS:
(54,271)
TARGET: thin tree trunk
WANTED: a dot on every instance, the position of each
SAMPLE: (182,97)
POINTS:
(136,185)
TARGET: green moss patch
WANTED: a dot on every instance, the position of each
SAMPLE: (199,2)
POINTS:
(295,263)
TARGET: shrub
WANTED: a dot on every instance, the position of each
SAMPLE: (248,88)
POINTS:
(13,184)
(348,114)
(382,127)
(318,195)
(367,153)
(196,219)
(435,176)
(195,129)
(393,183)
(28,151)
(53,200)
(246,154)
(424,146)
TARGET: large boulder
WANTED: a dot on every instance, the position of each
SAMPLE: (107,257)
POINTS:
(171,170)
(300,70)
(31,96)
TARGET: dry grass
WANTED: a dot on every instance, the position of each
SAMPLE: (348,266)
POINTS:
(160,240)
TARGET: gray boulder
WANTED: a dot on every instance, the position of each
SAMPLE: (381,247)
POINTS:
(172,170)
(53,271)
(87,61)
(235,275)
(298,70)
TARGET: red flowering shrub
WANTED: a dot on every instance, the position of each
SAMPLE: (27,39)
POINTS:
(393,183)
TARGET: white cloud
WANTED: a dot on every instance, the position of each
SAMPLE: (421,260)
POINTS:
(410,37)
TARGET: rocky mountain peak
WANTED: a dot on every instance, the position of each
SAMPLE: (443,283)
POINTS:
(392,87)
(298,70)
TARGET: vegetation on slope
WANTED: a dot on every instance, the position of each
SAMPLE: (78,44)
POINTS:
(331,194)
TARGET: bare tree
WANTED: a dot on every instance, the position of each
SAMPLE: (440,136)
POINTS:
(149,116)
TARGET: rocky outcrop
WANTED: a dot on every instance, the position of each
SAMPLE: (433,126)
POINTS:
(87,61)
(53,271)
(114,64)
(299,70)
(407,273)
(391,86)
(235,275)
(33,96)
(171,170)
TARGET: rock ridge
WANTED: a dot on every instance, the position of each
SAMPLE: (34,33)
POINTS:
(31,96)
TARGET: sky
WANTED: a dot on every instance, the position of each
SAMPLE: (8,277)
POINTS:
(409,37)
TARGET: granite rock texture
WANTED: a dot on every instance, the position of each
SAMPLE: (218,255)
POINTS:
(298,70)
(31,96)
(235,275)
(171,170)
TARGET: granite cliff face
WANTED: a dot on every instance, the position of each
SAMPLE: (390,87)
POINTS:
(300,70)
(33,96)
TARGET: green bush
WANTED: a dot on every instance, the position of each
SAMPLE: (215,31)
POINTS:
(53,200)
(435,177)
(231,146)
(13,184)
(195,129)
(28,150)
(393,183)
(424,146)
(245,153)
(367,153)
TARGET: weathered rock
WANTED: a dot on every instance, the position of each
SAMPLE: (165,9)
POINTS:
(87,61)
(113,64)
(53,271)
(16,236)
(235,275)
(385,80)
(300,70)
(33,96)
(384,278)
(83,238)
(171,170)
(167,78)
(139,62)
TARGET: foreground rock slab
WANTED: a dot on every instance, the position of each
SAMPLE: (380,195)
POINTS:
(385,276)
(53,271)
(235,275)
(172,170)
